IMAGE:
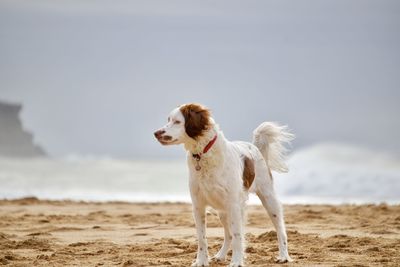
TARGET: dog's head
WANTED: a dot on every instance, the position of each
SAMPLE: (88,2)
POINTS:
(186,121)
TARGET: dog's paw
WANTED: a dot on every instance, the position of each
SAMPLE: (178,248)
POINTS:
(198,263)
(235,264)
(283,259)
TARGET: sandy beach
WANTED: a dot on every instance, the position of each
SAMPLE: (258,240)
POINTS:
(64,233)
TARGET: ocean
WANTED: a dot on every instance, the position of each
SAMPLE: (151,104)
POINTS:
(321,174)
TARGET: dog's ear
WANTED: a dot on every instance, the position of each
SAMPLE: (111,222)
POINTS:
(197,119)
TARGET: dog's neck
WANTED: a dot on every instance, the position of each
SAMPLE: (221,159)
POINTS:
(196,146)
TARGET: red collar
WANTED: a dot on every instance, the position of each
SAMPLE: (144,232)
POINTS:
(206,148)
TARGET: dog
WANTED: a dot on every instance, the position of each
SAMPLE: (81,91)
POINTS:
(222,174)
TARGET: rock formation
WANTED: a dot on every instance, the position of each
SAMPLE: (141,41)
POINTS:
(15,141)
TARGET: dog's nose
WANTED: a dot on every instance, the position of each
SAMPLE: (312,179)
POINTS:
(159,133)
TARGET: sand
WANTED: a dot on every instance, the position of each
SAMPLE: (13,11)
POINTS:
(63,233)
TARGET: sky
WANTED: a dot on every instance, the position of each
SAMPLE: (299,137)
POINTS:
(98,77)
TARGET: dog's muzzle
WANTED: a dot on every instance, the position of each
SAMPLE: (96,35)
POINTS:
(158,134)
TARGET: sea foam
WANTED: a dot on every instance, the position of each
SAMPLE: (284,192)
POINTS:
(326,173)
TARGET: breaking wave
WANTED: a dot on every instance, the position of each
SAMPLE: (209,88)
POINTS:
(326,173)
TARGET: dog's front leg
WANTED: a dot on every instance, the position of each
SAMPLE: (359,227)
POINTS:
(200,220)
(221,255)
(236,221)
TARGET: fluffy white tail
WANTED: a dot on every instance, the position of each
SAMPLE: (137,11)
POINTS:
(270,138)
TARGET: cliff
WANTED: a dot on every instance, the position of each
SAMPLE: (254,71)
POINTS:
(14,140)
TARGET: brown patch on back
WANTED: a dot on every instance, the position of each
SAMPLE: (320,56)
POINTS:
(197,119)
(248,172)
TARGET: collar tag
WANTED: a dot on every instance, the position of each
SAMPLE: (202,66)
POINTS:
(197,157)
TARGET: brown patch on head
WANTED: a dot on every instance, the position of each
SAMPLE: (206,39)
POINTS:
(248,172)
(197,119)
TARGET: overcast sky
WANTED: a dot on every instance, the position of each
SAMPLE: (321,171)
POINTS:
(98,77)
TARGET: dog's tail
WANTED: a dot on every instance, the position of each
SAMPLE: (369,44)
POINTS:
(270,138)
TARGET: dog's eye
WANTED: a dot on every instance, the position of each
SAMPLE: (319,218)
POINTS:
(177,122)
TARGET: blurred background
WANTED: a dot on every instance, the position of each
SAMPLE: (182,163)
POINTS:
(84,84)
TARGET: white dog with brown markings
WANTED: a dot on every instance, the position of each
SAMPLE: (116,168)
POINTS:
(223,173)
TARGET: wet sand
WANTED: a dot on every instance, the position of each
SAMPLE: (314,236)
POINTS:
(64,233)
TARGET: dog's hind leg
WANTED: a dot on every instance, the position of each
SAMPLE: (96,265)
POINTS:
(274,209)
(221,255)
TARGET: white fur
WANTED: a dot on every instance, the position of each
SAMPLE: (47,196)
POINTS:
(219,183)
(269,137)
